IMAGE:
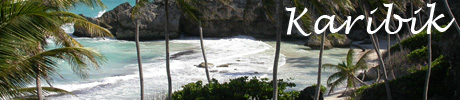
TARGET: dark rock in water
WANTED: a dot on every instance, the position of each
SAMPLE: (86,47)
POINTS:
(224,65)
(152,20)
(309,94)
(177,55)
(213,71)
(224,71)
(339,40)
(314,42)
(202,65)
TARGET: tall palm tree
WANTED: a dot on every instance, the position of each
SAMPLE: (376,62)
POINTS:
(452,15)
(27,24)
(427,78)
(194,14)
(279,14)
(168,72)
(346,71)
(135,16)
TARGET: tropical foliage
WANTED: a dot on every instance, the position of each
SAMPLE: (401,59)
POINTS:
(25,25)
(241,88)
(346,72)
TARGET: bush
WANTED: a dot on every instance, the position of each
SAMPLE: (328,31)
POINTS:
(410,87)
(418,55)
(417,41)
(241,88)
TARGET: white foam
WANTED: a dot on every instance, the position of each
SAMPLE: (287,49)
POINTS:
(100,14)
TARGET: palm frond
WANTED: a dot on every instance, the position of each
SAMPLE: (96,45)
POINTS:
(350,55)
(32,91)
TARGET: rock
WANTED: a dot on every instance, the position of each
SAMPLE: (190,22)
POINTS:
(224,71)
(224,65)
(152,20)
(371,74)
(358,35)
(202,65)
(182,53)
(339,40)
(84,33)
(213,71)
(309,94)
(230,18)
(314,42)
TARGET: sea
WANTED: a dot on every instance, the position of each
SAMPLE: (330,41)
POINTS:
(118,77)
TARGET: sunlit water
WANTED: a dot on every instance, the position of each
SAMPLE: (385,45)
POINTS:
(118,77)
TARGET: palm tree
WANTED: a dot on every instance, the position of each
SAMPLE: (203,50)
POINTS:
(346,71)
(134,16)
(427,78)
(451,15)
(279,15)
(25,26)
(194,14)
(167,51)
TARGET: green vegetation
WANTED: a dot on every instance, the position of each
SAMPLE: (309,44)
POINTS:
(346,72)
(241,88)
(336,36)
(25,26)
(411,86)
(417,41)
(418,55)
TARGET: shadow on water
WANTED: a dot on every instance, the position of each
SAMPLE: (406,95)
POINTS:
(301,62)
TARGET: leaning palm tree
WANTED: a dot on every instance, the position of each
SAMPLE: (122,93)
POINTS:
(25,26)
(346,71)
(193,13)
(449,10)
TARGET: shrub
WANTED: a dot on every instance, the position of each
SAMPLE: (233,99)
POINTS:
(241,88)
(418,55)
(411,86)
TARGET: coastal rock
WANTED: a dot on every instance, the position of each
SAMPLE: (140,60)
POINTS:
(152,19)
(224,65)
(358,35)
(314,42)
(202,65)
(339,40)
(236,17)
(309,94)
(82,33)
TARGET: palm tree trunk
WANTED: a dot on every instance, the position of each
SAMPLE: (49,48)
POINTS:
(318,85)
(37,79)
(382,65)
(427,79)
(139,58)
(39,85)
(204,54)
(357,79)
(167,51)
(452,15)
(277,51)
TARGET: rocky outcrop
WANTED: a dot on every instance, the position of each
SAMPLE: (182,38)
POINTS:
(152,19)
(82,33)
(314,42)
(221,19)
(202,65)
(309,94)
(339,40)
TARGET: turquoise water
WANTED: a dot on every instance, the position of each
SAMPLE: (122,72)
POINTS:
(94,12)
(118,78)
